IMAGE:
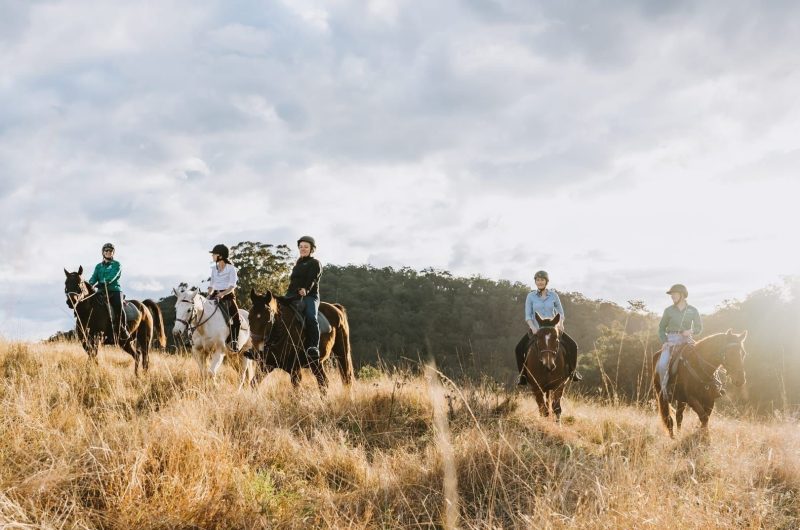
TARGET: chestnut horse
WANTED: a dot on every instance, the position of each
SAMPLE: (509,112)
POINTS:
(93,321)
(545,366)
(277,337)
(693,382)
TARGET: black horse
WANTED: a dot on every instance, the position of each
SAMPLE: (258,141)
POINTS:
(93,321)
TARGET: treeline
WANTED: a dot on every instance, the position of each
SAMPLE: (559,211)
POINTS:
(470,326)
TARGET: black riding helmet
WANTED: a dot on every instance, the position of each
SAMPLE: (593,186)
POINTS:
(108,246)
(309,240)
(220,249)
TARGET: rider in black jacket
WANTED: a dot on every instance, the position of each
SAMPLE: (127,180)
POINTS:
(304,285)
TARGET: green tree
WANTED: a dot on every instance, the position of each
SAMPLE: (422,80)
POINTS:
(261,266)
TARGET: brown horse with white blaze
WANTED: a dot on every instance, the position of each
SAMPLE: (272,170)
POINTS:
(693,382)
(277,338)
(545,367)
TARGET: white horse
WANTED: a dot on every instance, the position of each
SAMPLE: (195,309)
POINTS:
(203,318)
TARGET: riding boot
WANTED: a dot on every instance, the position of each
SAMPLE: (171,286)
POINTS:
(312,354)
(576,376)
(234,342)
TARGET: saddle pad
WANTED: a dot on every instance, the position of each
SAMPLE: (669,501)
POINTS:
(324,325)
(131,311)
(675,356)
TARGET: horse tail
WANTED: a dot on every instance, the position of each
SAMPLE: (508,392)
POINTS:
(158,323)
(341,347)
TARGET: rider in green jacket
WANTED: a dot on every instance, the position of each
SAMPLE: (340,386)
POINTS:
(105,279)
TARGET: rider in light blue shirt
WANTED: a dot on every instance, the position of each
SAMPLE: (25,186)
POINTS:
(547,307)
(547,304)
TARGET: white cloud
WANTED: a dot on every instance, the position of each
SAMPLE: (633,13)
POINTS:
(622,148)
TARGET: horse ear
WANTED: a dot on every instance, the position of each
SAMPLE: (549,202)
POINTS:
(743,336)
(539,319)
(175,292)
(253,294)
(66,273)
(80,270)
(557,319)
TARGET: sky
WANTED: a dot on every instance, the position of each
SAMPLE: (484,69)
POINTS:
(622,146)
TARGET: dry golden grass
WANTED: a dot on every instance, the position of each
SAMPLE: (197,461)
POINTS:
(85,446)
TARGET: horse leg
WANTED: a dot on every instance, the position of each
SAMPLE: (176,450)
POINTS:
(319,372)
(698,407)
(541,401)
(144,337)
(680,407)
(663,407)
(200,358)
(295,376)
(557,403)
(216,362)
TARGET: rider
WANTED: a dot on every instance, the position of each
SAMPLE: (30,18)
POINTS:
(547,303)
(221,288)
(678,325)
(105,279)
(304,285)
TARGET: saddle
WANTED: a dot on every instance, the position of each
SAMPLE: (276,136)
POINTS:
(297,306)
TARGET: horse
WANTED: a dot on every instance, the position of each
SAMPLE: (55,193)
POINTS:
(205,323)
(93,320)
(692,383)
(274,324)
(545,366)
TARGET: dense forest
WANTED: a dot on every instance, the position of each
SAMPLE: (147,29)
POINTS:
(470,326)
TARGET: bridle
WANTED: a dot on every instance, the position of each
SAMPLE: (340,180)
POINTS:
(558,341)
(257,336)
(80,296)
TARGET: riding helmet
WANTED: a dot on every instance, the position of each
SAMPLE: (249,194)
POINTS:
(108,246)
(221,250)
(309,240)
(679,288)
(542,274)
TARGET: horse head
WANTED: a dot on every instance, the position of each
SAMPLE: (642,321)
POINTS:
(75,288)
(186,308)
(733,356)
(261,317)
(547,340)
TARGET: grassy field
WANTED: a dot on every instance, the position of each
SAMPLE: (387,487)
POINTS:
(86,446)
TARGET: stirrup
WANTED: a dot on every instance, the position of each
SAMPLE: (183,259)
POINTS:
(522,380)
(576,376)
(313,353)
(234,345)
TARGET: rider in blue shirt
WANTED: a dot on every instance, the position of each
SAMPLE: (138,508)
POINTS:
(547,303)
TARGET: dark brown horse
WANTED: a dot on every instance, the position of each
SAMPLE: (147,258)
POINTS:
(693,383)
(275,325)
(545,366)
(93,321)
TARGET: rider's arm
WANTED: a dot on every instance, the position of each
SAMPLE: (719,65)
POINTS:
(94,278)
(697,324)
(559,309)
(314,272)
(116,269)
(529,312)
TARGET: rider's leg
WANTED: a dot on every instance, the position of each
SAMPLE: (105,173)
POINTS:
(118,321)
(663,369)
(520,351)
(571,347)
(312,325)
(236,323)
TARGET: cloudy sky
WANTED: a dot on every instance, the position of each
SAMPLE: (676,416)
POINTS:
(623,146)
